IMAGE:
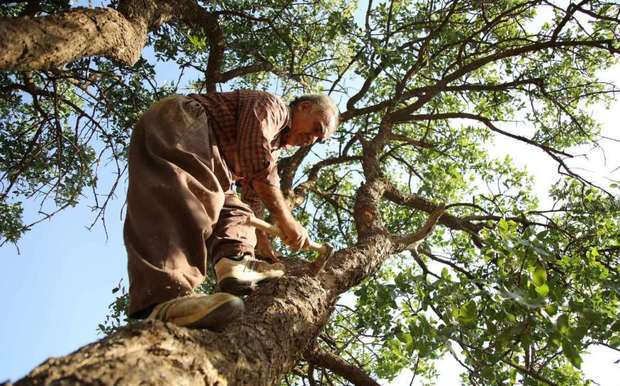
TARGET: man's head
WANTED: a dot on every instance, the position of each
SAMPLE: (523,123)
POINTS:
(313,118)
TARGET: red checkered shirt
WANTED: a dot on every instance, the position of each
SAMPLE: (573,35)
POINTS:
(249,127)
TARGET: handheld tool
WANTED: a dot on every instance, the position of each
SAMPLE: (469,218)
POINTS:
(325,250)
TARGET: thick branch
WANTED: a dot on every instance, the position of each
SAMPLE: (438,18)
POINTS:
(242,71)
(217,43)
(412,241)
(366,209)
(51,41)
(330,361)
(411,141)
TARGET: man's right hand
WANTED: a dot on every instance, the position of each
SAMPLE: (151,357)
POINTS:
(294,235)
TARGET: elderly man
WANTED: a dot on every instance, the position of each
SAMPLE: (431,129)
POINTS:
(185,157)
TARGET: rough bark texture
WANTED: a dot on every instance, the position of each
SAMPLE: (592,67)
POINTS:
(45,42)
(51,41)
(281,320)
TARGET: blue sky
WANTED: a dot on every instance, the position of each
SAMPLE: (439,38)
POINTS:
(57,290)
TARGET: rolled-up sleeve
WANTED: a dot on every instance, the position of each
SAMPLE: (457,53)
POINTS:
(260,119)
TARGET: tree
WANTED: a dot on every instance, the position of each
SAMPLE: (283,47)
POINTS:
(513,290)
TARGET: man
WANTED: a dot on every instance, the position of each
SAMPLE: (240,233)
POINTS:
(186,154)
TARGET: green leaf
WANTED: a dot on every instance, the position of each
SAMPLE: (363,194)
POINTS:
(445,274)
(467,313)
(594,252)
(542,290)
(539,276)
(503,226)
(571,353)
(552,309)
(562,324)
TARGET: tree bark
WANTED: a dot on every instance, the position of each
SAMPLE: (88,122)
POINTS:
(51,41)
(281,320)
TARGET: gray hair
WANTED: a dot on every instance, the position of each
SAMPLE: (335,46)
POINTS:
(322,103)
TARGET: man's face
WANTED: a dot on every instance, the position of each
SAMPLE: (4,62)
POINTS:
(308,125)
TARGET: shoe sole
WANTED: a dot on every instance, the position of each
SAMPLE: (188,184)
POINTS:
(219,318)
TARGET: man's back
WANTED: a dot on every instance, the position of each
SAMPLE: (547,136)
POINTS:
(247,125)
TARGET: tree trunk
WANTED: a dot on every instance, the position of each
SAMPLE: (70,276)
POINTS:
(281,320)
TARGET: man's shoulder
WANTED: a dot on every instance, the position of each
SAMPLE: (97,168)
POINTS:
(260,95)
(245,95)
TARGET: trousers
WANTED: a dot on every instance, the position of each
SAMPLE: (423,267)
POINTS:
(181,208)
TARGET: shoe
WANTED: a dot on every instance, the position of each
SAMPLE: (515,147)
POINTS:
(213,312)
(239,275)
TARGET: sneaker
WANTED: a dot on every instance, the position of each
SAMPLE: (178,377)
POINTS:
(213,312)
(239,275)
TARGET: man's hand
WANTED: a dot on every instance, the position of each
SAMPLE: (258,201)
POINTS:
(293,234)
(264,249)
